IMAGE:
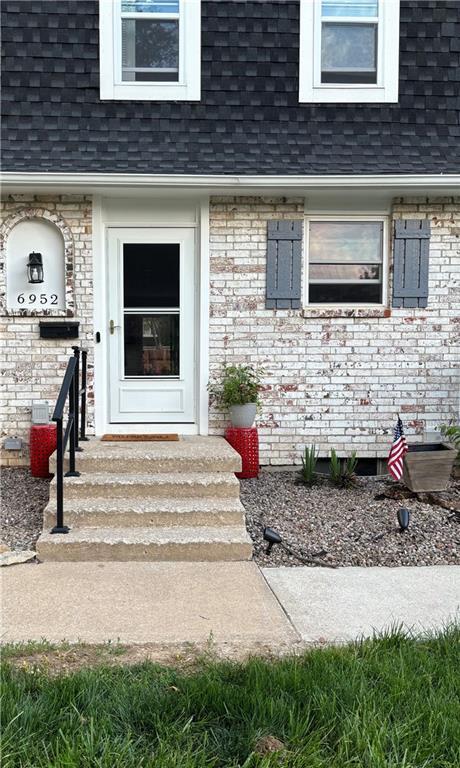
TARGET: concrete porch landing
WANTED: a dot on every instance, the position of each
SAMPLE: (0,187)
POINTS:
(150,501)
(190,453)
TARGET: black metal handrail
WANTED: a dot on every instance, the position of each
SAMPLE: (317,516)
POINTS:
(70,389)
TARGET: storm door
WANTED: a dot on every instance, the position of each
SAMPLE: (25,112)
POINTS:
(151,276)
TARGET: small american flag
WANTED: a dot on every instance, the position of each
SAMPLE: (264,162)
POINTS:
(397,452)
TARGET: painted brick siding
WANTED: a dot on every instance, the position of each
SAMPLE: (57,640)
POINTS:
(333,379)
(33,368)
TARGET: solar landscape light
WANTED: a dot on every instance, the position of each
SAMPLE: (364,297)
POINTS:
(403,518)
(272,537)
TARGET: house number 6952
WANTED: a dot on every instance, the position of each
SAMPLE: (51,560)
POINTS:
(34,298)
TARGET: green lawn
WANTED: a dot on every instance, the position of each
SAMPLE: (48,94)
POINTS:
(393,701)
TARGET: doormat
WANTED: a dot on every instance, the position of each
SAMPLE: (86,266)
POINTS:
(139,438)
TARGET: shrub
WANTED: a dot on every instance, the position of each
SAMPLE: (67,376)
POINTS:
(335,468)
(236,385)
(309,459)
(342,471)
(349,469)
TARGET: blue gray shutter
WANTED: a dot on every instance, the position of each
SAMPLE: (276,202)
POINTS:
(410,263)
(284,264)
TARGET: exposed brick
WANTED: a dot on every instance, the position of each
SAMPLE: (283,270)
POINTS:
(334,377)
(32,368)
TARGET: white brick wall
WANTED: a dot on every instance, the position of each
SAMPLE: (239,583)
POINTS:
(334,381)
(33,368)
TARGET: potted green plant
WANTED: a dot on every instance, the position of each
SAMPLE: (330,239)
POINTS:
(237,390)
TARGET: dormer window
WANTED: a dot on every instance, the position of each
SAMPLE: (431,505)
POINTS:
(349,41)
(150,49)
(149,41)
(349,51)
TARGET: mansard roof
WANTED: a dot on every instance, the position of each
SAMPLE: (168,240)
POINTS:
(249,119)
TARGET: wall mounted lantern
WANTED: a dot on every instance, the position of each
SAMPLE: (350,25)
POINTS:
(35,268)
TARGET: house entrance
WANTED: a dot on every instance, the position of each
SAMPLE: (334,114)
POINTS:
(151,325)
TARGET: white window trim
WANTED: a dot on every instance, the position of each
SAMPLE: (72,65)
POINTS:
(188,88)
(310,87)
(385,261)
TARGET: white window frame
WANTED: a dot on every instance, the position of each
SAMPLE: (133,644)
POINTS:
(188,87)
(384,90)
(385,260)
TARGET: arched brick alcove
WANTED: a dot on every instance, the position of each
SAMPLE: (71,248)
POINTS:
(40,214)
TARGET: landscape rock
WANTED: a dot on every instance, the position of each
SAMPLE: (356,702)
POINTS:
(354,526)
(16,556)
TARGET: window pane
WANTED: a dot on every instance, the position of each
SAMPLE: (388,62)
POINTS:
(344,272)
(150,6)
(150,50)
(348,53)
(151,275)
(151,345)
(345,293)
(350,8)
(345,241)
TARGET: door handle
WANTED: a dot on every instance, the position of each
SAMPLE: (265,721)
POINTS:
(112,327)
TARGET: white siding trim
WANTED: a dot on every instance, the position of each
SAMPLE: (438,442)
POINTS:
(397,183)
(180,215)
(100,324)
(203,321)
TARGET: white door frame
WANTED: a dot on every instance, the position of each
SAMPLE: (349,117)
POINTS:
(160,399)
(101,401)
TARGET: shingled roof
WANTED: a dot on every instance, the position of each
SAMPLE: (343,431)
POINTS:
(249,120)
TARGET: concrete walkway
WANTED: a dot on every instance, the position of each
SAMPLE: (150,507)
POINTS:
(343,604)
(143,602)
(177,603)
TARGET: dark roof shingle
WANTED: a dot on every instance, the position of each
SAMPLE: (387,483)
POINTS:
(249,120)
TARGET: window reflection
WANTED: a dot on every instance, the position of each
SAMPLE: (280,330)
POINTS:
(344,272)
(151,345)
(150,50)
(345,262)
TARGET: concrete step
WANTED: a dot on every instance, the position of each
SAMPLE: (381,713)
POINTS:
(189,454)
(123,544)
(168,485)
(147,513)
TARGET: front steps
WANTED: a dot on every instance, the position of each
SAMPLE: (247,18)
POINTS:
(178,543)
(150,501)
(133,513)
(162,485)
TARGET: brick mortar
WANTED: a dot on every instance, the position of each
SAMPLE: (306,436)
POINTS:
(33,368)
(336,381)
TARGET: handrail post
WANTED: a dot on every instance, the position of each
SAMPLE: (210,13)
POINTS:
(84,371)
(59,527)
(76,353)
(73,397)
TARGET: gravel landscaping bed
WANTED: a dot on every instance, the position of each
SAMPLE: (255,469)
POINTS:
(338,527)
(23,500)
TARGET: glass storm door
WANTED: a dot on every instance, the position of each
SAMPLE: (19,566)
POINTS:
(151,279)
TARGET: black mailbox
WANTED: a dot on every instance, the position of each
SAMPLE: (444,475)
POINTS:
(61,330)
